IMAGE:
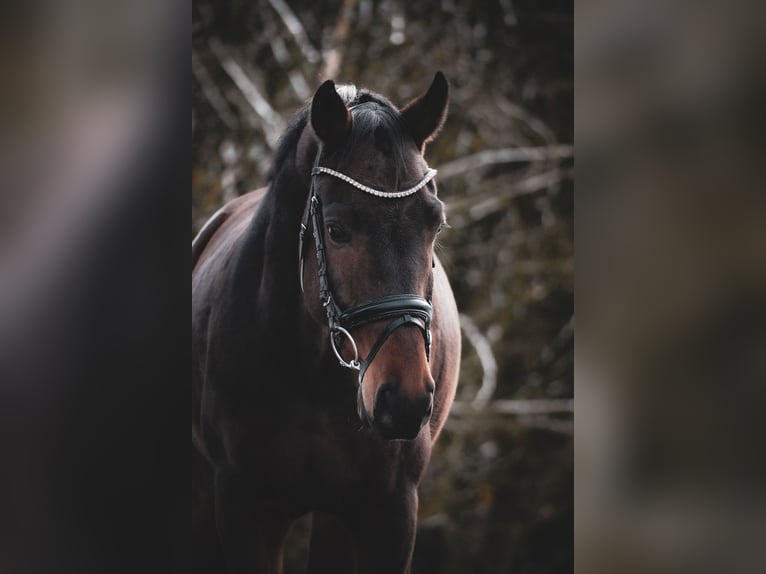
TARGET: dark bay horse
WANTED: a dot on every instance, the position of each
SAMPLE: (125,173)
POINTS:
(325,343)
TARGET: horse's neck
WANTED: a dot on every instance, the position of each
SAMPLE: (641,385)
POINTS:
(269,257)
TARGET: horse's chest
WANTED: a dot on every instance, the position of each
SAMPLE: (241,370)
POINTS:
(314,452)
(333,449)
(328,460)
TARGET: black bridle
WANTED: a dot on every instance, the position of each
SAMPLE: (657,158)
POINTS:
(400,309)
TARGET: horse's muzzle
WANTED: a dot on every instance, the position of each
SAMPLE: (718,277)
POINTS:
(400,416)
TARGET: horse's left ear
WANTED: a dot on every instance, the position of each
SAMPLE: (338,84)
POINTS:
(425,114)
(330,117)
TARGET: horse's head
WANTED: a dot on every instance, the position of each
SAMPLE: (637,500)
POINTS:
(378,215)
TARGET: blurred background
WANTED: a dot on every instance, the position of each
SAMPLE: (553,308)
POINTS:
(498,496)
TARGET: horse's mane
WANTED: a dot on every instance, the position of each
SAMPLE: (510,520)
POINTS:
(376,119)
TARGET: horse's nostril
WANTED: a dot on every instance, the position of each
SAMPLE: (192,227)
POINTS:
(398,416)
(386,419)
(382,408)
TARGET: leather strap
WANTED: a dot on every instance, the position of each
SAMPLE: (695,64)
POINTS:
(405,319)
(385,308)
(325,292)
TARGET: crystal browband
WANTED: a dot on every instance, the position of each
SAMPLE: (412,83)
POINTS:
(372,191)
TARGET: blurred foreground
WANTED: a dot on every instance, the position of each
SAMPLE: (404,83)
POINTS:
(671,294)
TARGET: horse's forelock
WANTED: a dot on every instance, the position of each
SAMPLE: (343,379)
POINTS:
(347,92)
(377,124)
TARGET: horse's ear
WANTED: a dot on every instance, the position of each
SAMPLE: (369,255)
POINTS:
(330,117)
(425,114)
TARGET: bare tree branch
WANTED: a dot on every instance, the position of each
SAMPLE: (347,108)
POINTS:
(488,363)
(295,28)
(478,208)
(334,56)
(506,155)
(282,56)
(552,351)
(272,123)
(212,93)
(534,124)
(533,407)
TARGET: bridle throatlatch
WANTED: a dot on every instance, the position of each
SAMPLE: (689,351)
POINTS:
(400,309)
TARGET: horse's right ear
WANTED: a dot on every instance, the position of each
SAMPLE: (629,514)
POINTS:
(425,115)
(330,117)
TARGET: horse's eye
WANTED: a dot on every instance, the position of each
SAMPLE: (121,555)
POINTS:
(439,229)
(337,233)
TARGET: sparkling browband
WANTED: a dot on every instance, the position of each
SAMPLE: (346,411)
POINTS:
(377,193)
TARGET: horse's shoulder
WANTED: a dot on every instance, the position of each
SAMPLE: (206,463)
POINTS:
(226,219)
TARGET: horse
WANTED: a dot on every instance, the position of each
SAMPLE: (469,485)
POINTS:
(325,342)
